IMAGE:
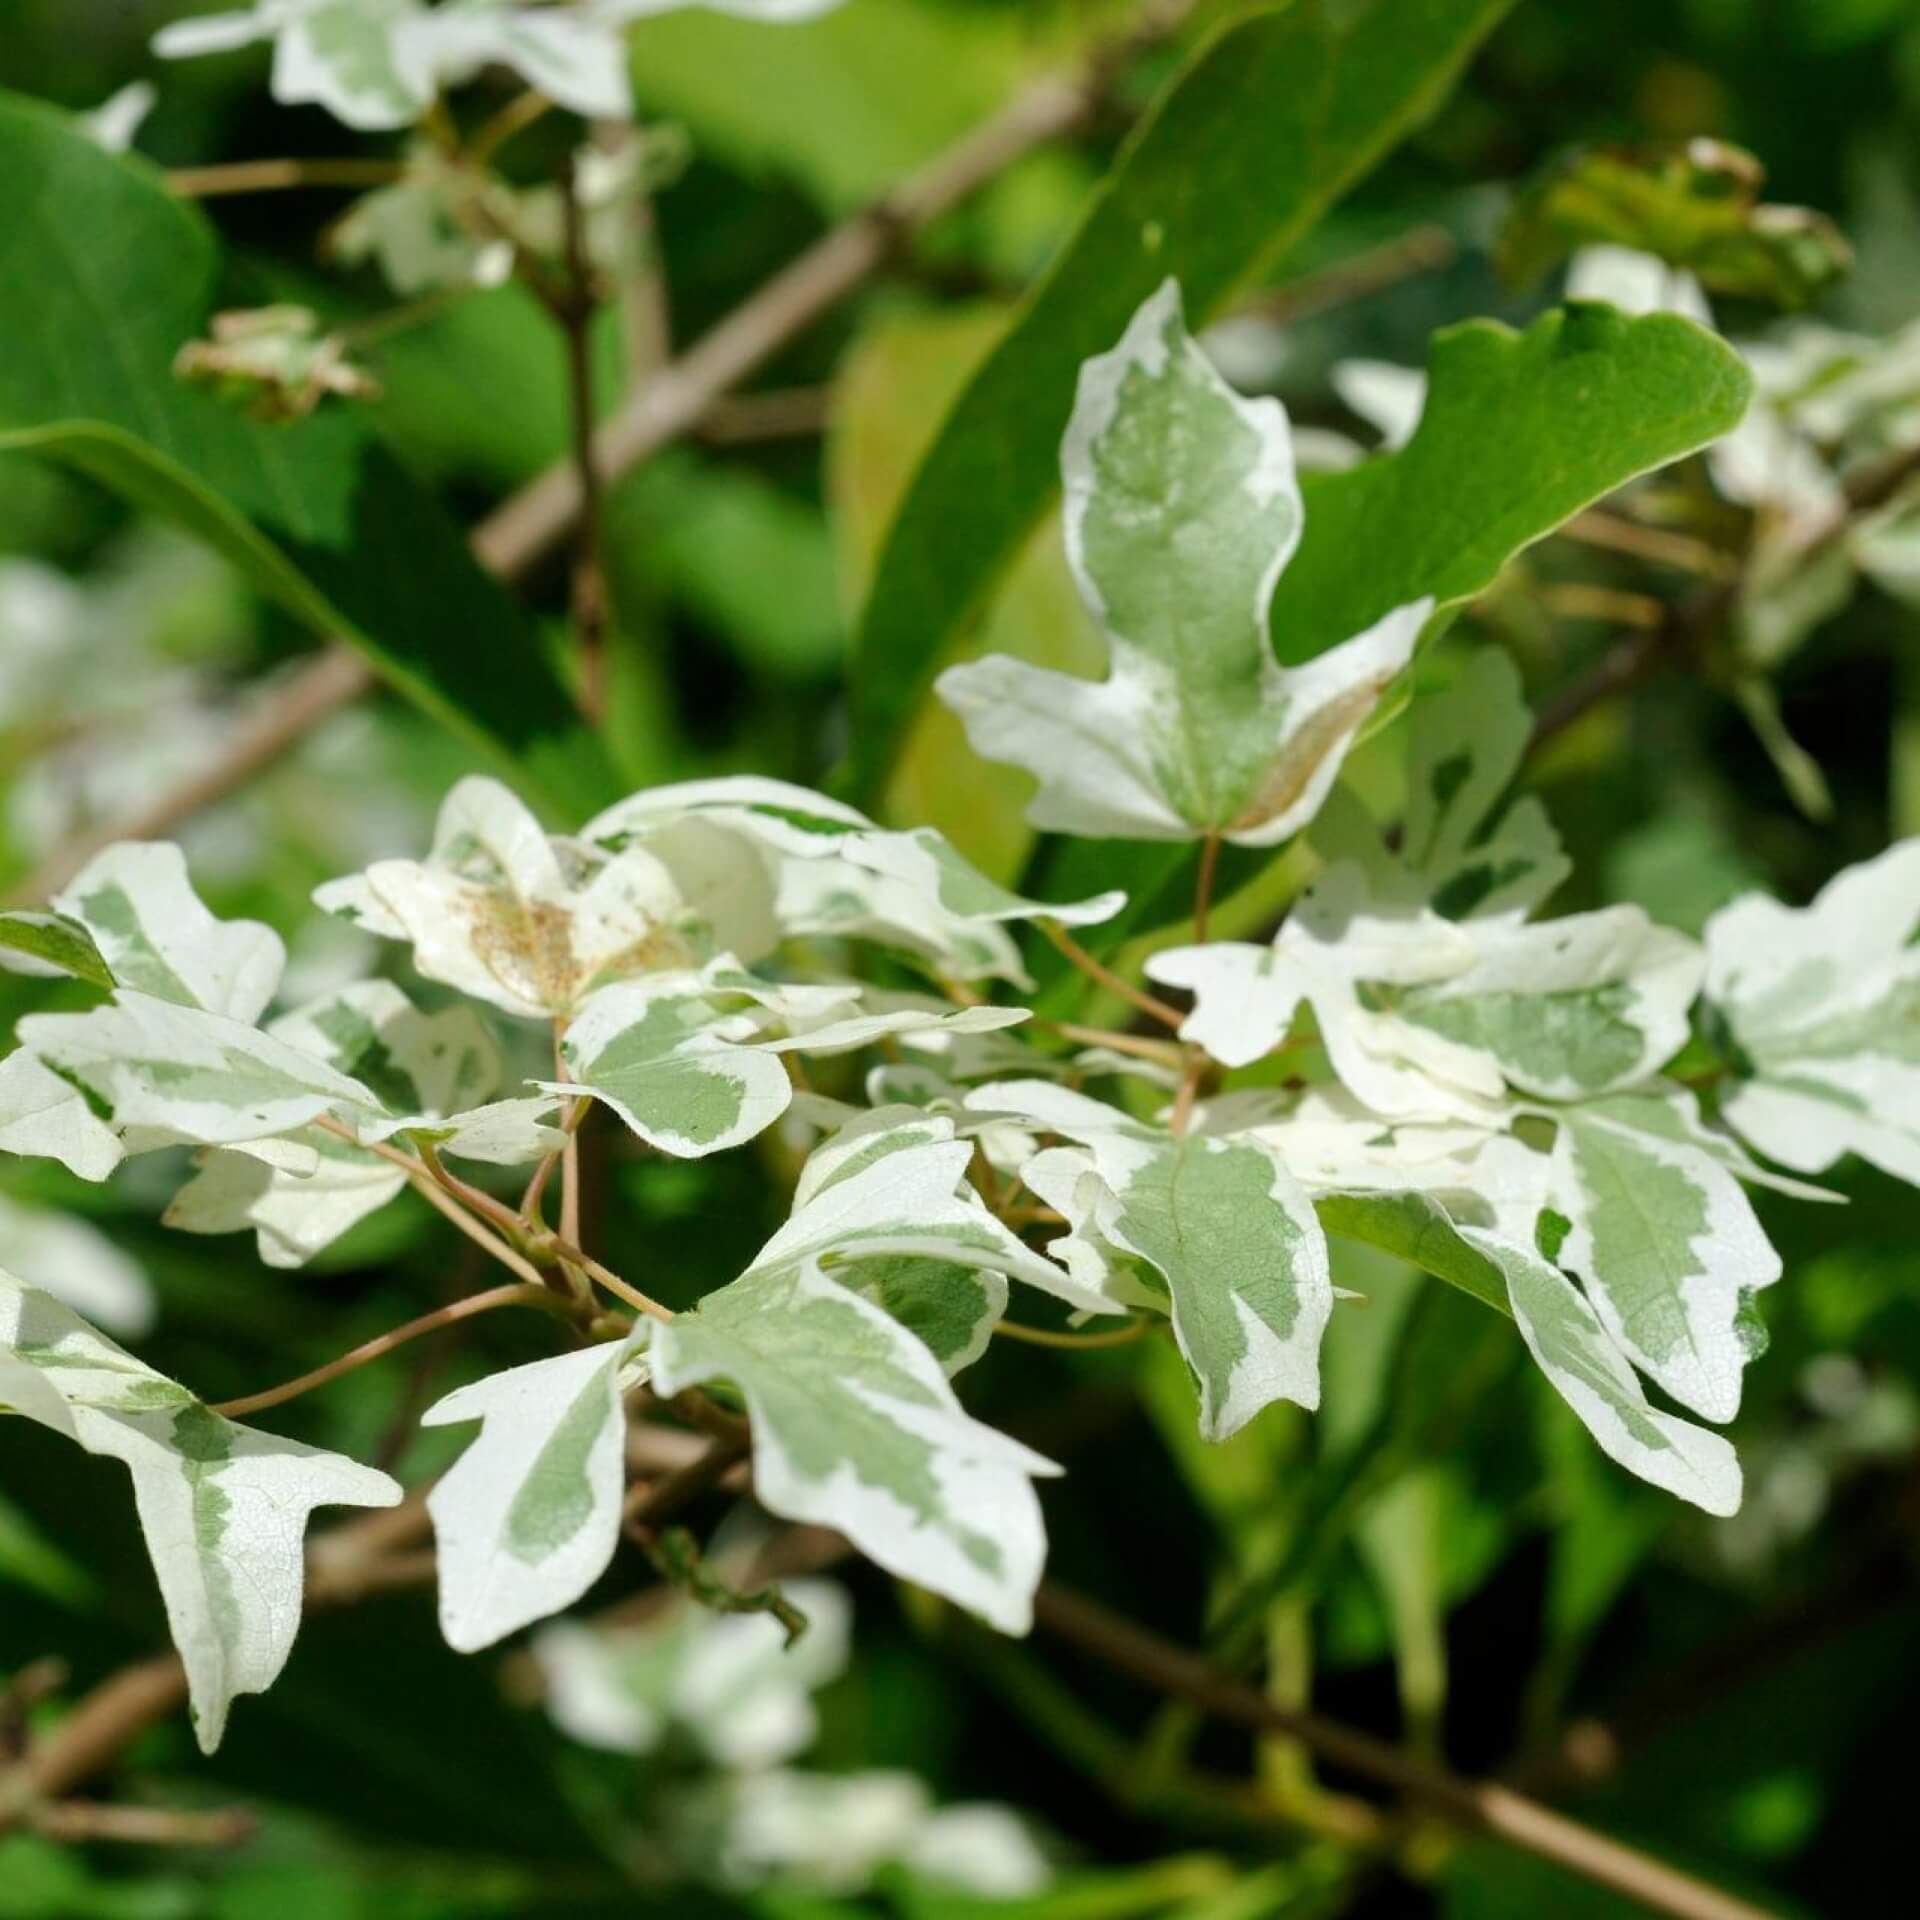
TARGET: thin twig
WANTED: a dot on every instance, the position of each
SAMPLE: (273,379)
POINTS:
(521,1294)
(1135,1329)
(521,112)
(671,405)
(1419,250)
(1104,976)
(782,413)
(1659,545)
(648,1508)
(1165,1053)
(589,594)
(271,176)
(1582,600)
(1476,1806)
(329,681)
(74,1822)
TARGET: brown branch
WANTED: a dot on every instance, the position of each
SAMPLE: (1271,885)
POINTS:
(649,1507)
(589,592)
(671,405)
(1419,250)
(269,176)
(1472,1805)
(71,1822)
(1657,545)
(1104,976)
(329,681)
(521,1294)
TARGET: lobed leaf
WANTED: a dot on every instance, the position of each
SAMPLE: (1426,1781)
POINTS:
(224,1508)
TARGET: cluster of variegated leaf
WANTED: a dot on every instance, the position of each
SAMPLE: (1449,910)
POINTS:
(656,944)
(382,63)
(1464,1084)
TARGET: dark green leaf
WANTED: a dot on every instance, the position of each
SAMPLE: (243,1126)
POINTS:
(103,276)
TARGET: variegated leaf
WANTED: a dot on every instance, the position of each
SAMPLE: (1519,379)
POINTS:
(839,875)
(1579,1357)
(528,1517)
(224,1508)
(1823,1004)
(1182,511)
(44,1115)
(175,1074)
(1227,1230)
(1663,1238)
(1464,746)
(856,1428)
(526,922)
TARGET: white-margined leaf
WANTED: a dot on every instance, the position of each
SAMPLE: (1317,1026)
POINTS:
(301,1192)
(224,1508)
(690,1061)
(1823,1003)
(890,1192)
(379,64)
(1228,1231)
(1569,1008)
(837,874)
(1182,511)
(856,1428)
(528,1517)
(667,1061)
(527,922)
(174,1074)
(1335,942)
(157,938)
(1576,1353)
(1666,1242)
(43,1115)
(1420,1015)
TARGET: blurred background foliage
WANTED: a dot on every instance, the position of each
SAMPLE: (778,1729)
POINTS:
(1441,1555)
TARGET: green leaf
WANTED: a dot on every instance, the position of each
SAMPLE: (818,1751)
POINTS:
(1696,206)
(224,1508)
(1520,432)
(319,516)
(1269,124)
(1417,1229)
(52,940)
